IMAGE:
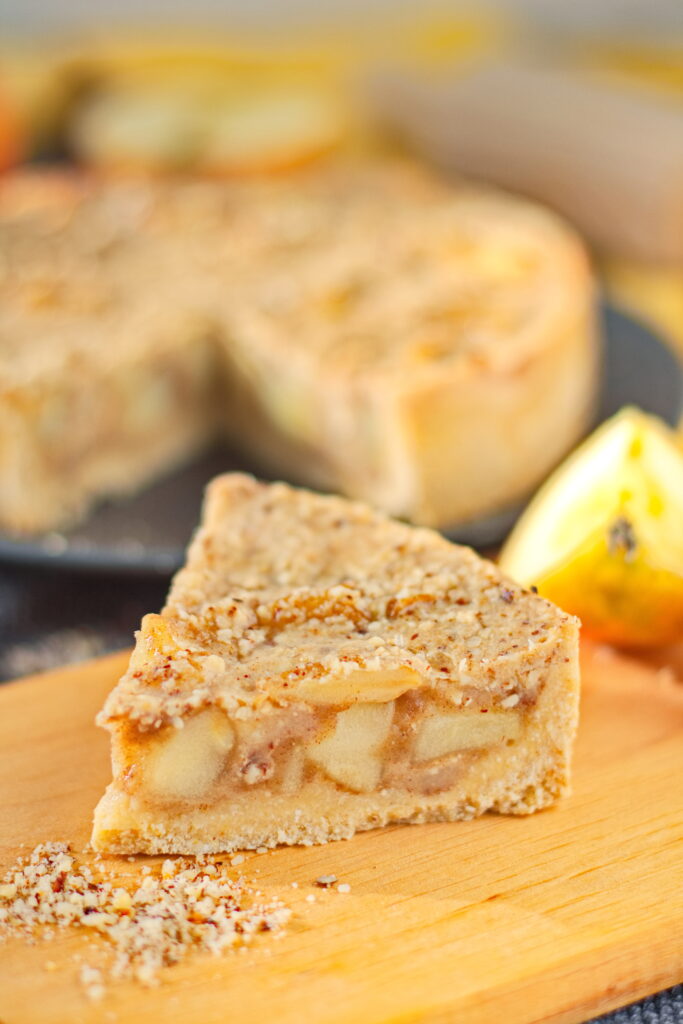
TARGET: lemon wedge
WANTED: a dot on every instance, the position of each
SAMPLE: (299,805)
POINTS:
(603,538)
(162,126)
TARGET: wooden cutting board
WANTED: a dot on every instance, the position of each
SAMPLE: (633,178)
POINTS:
(557,917)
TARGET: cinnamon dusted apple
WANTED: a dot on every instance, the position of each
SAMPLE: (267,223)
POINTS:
(320,669)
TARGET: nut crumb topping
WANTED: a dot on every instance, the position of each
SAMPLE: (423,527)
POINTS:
(366,263)
(283,587)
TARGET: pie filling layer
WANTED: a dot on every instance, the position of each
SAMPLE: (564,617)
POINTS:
(390,737)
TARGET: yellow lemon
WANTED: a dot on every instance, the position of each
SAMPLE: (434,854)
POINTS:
(162,126)
(603,538)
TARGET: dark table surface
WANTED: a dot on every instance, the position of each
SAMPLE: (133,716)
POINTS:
(50,618)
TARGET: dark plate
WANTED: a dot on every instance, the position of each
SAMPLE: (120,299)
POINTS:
(148,533)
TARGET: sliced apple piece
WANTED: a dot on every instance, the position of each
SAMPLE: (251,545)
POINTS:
(452,731)
(352,752)
(185,764)
(154,639)
(270,131)
(144,129)
(359,686)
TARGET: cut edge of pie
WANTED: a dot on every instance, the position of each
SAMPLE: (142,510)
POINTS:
(319,670)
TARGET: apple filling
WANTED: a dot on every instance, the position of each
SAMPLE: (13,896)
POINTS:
(398,736)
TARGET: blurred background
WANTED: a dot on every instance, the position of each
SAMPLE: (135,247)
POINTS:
(225,89)
(167,86)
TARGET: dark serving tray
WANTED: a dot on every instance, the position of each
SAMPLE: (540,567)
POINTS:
(148,533)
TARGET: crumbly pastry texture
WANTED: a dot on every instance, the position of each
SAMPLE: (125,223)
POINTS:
(342,326)
(320,669)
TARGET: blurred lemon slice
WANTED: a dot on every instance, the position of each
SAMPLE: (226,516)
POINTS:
(603,538)
(145,130)
(271,132)
(220,130)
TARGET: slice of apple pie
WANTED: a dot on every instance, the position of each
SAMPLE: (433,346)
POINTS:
(320,669)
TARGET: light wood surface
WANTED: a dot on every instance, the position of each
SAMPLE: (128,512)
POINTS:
(557,917)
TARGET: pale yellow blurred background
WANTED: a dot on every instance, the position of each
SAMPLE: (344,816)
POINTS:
(139,84)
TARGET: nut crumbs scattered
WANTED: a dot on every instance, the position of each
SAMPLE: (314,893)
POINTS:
(325,881)
(179,907)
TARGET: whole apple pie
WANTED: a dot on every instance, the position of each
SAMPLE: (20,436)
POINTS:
(364,328)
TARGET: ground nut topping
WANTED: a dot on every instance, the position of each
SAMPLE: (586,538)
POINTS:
(366,593)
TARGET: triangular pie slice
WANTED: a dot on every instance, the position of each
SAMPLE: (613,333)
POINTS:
(321,669)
